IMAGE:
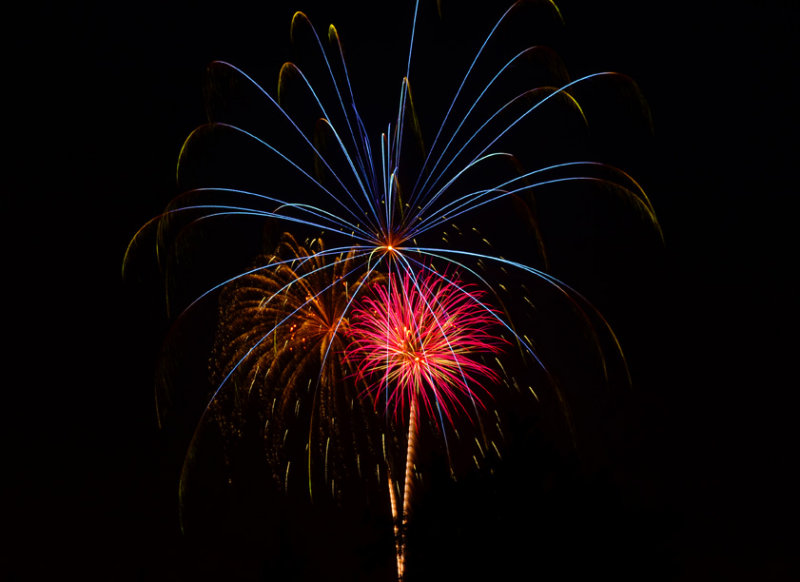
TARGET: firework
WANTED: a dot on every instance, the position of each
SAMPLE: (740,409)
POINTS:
(394,201)
(278,360)
(401,212)
(416,344)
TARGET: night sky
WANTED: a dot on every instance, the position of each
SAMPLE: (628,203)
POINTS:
(688,476)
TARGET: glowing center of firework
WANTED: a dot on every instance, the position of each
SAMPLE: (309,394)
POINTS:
(389,248)
(410,348)
(389,243)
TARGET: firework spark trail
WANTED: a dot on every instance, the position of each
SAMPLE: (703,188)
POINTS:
(333,34)
(415,189)
(472,201)
(277,152)
(507,128)
(408,488)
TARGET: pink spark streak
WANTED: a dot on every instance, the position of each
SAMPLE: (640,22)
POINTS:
(419,340)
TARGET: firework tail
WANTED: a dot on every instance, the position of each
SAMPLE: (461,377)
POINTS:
(401,521)
(396,520)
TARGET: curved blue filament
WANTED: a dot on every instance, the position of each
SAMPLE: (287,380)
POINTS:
(458,92)
(335,84)
(302,135)
(561,90)
(327,119)
(325,253)
(467,115)
(296,166)
(338,222)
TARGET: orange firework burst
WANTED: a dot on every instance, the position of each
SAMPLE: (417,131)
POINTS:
(278,356)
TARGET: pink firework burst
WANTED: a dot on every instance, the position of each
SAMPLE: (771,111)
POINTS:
(417,341)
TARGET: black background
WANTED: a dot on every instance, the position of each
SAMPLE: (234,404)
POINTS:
(696,483)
